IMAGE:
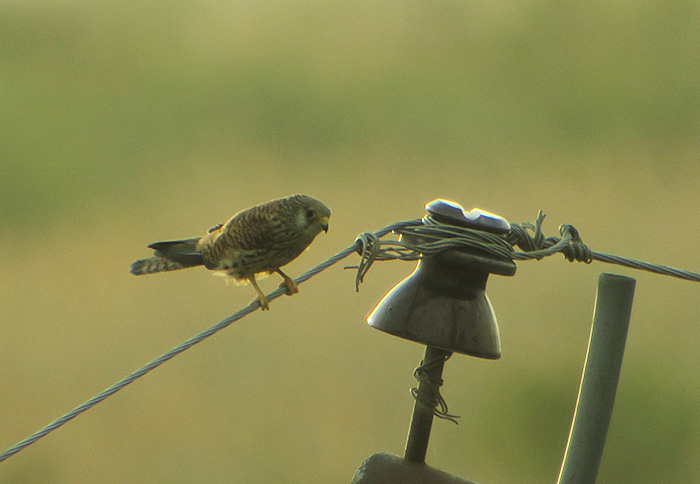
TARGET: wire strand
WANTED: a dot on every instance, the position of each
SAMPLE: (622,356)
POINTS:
(132,377)
(428,394)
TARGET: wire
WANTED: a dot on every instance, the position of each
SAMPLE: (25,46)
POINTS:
(132,377)
(431,237)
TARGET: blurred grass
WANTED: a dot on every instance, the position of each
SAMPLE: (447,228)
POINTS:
(125,123)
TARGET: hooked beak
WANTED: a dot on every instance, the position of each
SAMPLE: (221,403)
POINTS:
(324,224)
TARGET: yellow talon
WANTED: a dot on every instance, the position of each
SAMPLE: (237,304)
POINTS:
(264,305)
(292,287)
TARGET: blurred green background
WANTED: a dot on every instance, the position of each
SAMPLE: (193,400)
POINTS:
(125,123)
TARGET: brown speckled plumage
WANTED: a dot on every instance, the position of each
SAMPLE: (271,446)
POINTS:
(258,240)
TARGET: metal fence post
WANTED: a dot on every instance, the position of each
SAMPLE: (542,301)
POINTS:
(601,374)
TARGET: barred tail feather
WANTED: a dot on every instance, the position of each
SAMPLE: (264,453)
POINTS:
(169,256)
(153,265)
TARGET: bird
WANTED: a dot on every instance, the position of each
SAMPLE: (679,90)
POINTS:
(256,241)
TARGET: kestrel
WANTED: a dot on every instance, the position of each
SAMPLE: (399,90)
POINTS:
(258,240)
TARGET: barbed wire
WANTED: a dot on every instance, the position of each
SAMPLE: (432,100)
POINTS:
(417,238)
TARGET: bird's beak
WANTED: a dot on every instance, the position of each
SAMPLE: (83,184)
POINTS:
(324,224)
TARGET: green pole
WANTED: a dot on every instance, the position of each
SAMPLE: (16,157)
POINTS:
(601,373)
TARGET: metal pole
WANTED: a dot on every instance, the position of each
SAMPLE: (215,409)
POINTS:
(601,374)
(422,421)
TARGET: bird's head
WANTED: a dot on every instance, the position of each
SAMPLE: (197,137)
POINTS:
(311,215)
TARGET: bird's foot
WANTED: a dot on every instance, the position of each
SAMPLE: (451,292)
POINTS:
(264,305)
(289,283)
(291,286)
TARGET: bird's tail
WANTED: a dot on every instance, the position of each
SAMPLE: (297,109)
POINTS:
(169,256)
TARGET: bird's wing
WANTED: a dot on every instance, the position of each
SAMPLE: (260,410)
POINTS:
(183,251)
(253,229)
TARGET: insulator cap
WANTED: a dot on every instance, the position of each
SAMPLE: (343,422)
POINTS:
(443,303)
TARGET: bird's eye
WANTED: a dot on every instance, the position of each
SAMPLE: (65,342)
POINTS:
(310,213)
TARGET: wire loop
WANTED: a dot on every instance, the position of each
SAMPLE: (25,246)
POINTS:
(428,391)
(576,251)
